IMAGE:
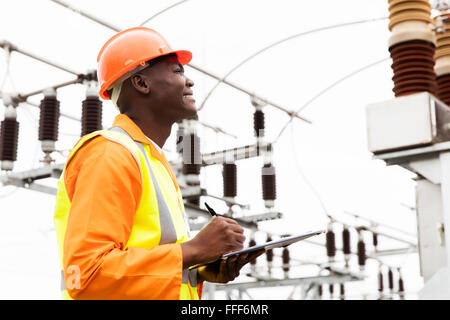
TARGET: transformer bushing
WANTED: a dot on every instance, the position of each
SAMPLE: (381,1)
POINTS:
(9,135)
(48,123)
(412,47)
(91,115)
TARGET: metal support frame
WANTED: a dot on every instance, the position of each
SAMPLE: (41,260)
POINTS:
(238,153)
(292,282)
(26,179)
(432,165)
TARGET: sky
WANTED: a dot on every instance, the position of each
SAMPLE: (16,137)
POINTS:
(330,155)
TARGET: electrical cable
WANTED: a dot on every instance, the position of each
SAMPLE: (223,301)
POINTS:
(305,179)
(322,92)
(280,42)
(162,11)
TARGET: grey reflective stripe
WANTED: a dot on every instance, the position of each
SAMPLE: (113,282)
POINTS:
(63,283)
(189,275)
(168,233)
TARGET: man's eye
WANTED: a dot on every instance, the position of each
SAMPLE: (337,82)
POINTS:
(179,70)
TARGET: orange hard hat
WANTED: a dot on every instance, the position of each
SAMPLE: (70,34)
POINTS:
(128,50)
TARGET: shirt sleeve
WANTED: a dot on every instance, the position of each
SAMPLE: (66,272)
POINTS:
(103,182)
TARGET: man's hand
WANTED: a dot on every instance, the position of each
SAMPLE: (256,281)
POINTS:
(222,235)
(225,270)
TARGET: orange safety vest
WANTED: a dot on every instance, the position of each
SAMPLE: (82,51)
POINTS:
(159,219)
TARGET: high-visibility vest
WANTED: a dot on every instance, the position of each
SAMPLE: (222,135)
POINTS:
(168,225)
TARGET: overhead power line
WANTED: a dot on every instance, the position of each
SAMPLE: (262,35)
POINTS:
(322,92)
(295,36)
(162,11)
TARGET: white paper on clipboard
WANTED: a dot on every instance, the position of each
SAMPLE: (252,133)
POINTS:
(283,242)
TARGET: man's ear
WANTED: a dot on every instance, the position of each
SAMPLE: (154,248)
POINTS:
(141,83)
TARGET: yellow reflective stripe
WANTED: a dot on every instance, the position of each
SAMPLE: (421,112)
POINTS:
(168,233)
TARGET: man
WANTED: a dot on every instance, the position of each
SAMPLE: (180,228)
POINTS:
(119,213)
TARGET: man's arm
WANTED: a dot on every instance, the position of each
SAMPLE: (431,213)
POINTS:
(103,182)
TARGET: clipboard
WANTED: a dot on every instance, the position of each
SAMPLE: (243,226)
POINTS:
(283,242)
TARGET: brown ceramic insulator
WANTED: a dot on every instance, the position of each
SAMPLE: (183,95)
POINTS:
(380,281)
(320,290)
(420,71)
(191,169)
(258,123)
(413,91)
(91,115)
(331,289)
(443,88)
(361,253)
(391,279)
(346,241)
(269,253)
(229,174)
(413,66)
(269,182)
(342,289)
(194,201)
(49,119)
(375,239)
(401,285)
(443,80)
(9,135)
(330,243)
(286,259)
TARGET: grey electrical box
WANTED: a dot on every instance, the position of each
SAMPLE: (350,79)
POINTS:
(406,122)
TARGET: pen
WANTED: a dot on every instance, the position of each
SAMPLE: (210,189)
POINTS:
(210,210)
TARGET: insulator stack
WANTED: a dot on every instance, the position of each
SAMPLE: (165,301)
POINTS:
(48,122)
(391,280)
(286,261)
(342,291)
(361,252)
(269,256)
(375,240)
(331,290)
(9,137)
(412,46)
(442,57)
(330,244)
(320,291)
(401,285)
(346,247)
(192,159)
(91,115)
(269,185)
(380,281)
(258,123)
(229,174)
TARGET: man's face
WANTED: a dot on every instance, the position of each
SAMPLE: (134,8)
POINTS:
(171,89)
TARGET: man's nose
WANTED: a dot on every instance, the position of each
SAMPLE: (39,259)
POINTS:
(189,82)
